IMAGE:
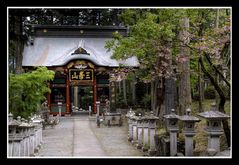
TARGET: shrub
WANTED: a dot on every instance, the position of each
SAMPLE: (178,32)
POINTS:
(120,101)
(27,91)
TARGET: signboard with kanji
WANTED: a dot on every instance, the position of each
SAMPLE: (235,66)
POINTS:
(82,75)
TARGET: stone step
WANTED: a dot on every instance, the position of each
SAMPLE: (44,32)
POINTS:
(80,113)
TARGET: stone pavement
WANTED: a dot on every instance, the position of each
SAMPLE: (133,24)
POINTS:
(77,136)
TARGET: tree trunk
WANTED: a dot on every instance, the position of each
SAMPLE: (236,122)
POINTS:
(124,92)
(217,99)
(154,85)
(152,94)
(225,122)
(170,88)
(133,90)
(200,90)
(160,97)
(184,78)
(19,43)
(120,89)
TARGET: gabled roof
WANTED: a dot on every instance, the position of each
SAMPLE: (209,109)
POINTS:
(59,45)
(58,51)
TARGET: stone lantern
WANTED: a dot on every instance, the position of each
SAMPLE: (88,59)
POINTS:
(189,131)
(140,132)
(172,127)
(98,113)
(129,116)
(25,132)
(14,140)
(134,120)
(37,123)
(152,125)
(31,137)
(214,129)
(145,133)
(59,108)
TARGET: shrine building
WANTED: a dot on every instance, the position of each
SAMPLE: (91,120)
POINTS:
(81,63)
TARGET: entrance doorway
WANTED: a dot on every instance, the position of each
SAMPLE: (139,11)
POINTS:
(81,98)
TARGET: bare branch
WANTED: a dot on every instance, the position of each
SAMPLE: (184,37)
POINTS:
(216,69)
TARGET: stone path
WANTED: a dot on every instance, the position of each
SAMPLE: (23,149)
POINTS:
(84,141)
(58,141)
(114,141)
(79,137)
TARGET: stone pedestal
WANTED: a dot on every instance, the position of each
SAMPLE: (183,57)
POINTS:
(35,139)
(214,140)
(24,126)
(189,131)
(10,148)
(16,148)
(31,145)
(23,147)
(146,135)
(13,140)
(135,132)
(76,105)
(173,143)
(140,134)
(15,145)
(172,127)
(37,123)
(130,115)
(189,145)
(98,113)
(40,132)
(152,125)
(130,133)
(152,149)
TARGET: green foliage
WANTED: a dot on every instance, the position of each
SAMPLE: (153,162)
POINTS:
(146,101)
(120,100)
(131,16)
(27,90)
(194,71)
(148,41)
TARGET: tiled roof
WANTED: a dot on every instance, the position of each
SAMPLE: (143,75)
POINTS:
(56,51)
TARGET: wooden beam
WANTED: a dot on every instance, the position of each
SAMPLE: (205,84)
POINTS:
(67,95)
(94,92)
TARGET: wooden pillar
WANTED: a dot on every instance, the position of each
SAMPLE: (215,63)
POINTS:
(112,97)
(49,97)
(67,95)
(95,93)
